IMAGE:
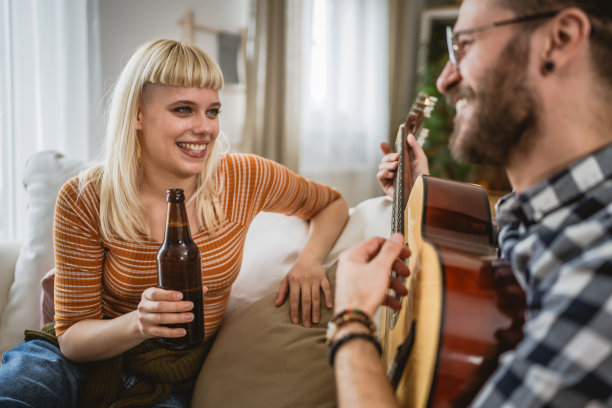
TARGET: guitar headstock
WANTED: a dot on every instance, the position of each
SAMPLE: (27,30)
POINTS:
(421,108)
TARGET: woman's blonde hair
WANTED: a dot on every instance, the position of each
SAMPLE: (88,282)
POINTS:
(119,177)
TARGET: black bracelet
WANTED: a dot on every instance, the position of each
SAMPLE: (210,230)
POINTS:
(336,344)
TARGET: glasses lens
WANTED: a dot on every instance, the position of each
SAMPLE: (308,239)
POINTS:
(450,43)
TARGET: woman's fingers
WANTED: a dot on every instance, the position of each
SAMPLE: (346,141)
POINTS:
(160,307)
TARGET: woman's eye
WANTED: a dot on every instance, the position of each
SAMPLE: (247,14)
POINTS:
(183,109)
(214,112)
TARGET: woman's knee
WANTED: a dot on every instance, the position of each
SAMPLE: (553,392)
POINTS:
(37,371)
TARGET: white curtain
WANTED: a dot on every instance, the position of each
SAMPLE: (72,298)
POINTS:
(50,87)
(345,105)
(272,80)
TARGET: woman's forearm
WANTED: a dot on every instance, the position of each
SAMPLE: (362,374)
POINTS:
(99,339)
(325,228)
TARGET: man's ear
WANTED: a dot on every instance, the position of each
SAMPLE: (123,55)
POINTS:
(569,33)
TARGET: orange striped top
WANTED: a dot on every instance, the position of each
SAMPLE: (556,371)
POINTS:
(98,278)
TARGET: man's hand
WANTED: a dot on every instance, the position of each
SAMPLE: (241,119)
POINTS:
(388,165)
(364,274)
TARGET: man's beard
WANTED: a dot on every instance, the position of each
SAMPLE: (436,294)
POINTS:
(504,111)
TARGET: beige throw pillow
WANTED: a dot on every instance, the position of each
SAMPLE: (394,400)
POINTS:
(261,359)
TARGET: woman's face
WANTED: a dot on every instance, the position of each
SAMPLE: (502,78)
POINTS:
(177,127)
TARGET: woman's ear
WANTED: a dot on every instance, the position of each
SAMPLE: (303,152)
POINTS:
(139,120)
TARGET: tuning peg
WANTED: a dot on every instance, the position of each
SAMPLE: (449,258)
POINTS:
(423,135)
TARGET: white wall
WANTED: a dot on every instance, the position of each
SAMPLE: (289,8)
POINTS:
(126,24)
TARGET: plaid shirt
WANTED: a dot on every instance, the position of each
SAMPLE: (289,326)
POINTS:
(558,239)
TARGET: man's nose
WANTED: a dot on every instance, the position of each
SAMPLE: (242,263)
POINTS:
(448,78)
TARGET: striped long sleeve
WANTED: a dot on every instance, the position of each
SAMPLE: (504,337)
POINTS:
(98,277)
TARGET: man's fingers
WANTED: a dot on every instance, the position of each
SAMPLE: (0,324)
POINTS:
(392,302)
(398,287)
(400,267)
(365,251)
(388,166)
(385,148)
(390,249)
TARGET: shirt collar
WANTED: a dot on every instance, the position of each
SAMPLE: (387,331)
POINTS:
(558,191)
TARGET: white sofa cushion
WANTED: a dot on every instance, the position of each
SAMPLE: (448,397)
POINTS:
(274,241)
(44,175)
(9,252)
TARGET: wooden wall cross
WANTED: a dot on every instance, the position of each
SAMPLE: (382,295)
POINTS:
(190,27)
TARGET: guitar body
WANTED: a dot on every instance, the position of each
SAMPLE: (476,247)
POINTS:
(464,307)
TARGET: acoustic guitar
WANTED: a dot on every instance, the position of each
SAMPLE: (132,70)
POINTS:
(464,307)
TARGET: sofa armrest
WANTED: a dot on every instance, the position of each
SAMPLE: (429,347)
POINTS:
(9,251)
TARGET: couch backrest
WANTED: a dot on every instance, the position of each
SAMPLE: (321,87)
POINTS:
(44,175)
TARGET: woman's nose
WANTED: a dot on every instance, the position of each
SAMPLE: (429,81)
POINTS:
(448,78)
(205,124)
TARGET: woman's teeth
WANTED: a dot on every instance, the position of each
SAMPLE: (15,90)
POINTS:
(460,104)
(193,147)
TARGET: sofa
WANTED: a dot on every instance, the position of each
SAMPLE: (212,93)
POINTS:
(259,358)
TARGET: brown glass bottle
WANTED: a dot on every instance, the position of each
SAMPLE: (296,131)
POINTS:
(179,267)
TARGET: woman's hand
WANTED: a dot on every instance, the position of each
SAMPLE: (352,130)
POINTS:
(158,306)
(388,165)
(304,283)
(99,339)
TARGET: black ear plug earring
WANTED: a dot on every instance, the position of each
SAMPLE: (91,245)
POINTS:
(549,66)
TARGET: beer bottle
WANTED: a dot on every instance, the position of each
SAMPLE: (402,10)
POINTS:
(179,268)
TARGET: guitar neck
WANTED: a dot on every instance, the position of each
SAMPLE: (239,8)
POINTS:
(402,182)
(422,107)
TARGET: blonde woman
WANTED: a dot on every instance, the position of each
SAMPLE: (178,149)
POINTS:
(162,132)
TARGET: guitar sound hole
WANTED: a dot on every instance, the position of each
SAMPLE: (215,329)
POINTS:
(396,371)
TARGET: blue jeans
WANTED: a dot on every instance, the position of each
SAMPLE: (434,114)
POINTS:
(36,374)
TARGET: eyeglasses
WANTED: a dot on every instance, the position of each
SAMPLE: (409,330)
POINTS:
(455,50)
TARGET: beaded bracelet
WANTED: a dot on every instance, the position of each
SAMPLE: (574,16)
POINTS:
(350,312)
(348,316)
(336,344)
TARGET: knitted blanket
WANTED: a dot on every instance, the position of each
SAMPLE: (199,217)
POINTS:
(157,368)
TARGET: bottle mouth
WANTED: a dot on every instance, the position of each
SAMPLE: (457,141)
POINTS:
(175,195)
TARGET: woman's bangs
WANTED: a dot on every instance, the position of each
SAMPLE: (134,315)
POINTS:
(185,66)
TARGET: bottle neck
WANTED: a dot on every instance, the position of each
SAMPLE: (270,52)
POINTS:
(177,223)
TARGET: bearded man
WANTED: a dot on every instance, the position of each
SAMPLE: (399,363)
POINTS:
(532,84)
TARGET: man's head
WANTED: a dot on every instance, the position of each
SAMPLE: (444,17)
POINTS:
(505,51)
(599,13)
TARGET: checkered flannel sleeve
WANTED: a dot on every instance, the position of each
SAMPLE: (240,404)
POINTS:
(559,240)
